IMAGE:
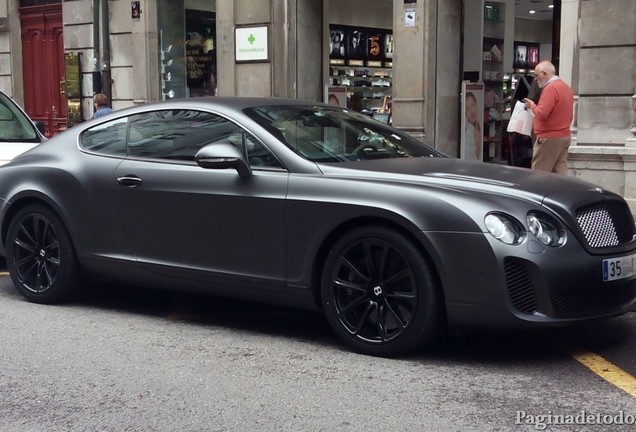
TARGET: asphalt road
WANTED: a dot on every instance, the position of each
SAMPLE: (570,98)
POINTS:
(123,359)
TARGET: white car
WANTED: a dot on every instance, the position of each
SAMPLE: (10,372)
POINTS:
(17,132)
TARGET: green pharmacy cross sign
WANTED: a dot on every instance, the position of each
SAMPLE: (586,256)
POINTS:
(252,44)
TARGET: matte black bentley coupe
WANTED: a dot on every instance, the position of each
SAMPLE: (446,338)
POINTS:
(312,206)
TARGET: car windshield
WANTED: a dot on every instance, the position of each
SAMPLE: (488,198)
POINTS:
(14,125)
(330,134)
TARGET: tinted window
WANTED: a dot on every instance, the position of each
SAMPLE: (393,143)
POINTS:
(173,135)
(177,134)
(329,134)
(180,134)
(107,138)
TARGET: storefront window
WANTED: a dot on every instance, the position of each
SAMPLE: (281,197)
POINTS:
(201,52)
(187,44)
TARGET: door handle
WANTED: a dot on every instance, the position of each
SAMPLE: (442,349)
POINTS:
(129,180)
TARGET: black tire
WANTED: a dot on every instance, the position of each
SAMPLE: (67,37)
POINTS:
(40,256)
(380,294)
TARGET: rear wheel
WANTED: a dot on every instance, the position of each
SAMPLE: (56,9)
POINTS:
(40,256)
(380,294)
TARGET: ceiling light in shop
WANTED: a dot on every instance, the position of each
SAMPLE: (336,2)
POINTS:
(533,11)
(551,6)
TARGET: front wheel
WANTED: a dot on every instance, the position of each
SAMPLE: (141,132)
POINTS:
(40,256)
(380,294)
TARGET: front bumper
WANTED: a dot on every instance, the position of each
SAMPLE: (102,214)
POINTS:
(488,283)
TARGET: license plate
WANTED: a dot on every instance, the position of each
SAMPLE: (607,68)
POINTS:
(619,267)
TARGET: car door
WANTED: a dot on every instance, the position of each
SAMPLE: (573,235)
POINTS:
(207,225)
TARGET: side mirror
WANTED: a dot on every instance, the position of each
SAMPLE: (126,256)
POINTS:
(40,126)
(223,156)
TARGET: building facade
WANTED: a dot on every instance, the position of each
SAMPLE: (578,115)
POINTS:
(143,51)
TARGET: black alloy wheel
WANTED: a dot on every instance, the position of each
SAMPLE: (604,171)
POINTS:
(379,293)
(40,256)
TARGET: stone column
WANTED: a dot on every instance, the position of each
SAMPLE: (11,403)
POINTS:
(295,47)
(604,80)
(414,27)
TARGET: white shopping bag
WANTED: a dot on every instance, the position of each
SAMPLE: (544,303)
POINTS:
(521,120)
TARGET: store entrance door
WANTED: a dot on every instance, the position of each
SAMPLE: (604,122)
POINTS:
(43,65)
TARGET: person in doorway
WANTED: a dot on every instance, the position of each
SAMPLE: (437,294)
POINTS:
(552,119)
(472,129)
(101,104)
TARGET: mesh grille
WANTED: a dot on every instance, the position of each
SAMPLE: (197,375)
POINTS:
(519,287)
(572,304)
(605,224)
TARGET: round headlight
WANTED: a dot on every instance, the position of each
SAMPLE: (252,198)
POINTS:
(504,228)
(547,230)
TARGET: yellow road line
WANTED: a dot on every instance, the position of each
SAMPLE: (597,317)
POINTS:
(4,273)
(603,368)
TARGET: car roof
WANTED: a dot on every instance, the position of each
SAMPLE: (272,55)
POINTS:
(225,103)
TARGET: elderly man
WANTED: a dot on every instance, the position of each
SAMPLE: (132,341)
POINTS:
(552,119)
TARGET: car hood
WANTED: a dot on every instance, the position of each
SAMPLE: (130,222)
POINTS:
(9,150)
(450,173)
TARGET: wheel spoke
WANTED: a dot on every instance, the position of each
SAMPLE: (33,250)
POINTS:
(24,274)
(381,324)
(348,264)
(404,273)
(349,285)
(22,245)
(368,259)
(355,303)
(384,258)
(32,242)
(401,296)
(38,279)
(398,319)
(362,320)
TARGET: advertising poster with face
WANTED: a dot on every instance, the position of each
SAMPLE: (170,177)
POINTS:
(472,135)
(357,45)
(336,43)
(336,96)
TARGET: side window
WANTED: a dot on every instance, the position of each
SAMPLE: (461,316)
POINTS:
(259,156)
(14,126)
(177,134)
(107,138)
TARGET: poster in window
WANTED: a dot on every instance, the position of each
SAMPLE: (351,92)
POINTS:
(375,51)
(336,42)
(356,45)
(533,55)
(472,136)
(388,46)
(521,56)
(201,52)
